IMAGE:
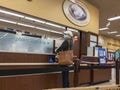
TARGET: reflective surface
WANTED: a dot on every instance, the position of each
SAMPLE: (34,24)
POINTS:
(19,43)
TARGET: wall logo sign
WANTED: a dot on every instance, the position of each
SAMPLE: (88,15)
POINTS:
(77,12)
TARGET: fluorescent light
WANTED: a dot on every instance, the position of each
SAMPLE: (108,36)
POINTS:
(70,29)
(44,29)
(113,18)
(104,28)
(8,21)
(108,24)
(33,19)
(40,21)
(55,25)
(26,25)
(11,13)
(55,32)
(118,35)
(112,32)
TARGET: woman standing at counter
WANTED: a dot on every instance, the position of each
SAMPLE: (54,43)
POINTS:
(66,45)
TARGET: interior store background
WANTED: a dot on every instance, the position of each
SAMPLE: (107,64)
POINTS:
(51,11)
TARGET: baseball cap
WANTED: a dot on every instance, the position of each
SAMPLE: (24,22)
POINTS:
(69,33)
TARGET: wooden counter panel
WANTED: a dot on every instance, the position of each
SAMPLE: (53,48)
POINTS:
(84,76)
(8,57)
(23,67)
(101,75)
(38,82)
(33,82)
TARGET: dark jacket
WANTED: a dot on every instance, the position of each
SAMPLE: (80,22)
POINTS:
(66,45)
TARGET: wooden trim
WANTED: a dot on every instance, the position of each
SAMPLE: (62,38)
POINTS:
(117,72)
(76,73)
(27,64)
(91,75)
(53,46)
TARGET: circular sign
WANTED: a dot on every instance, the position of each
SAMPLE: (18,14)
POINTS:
(77,13)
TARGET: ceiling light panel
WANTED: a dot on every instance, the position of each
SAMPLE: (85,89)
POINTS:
(112,32)
(11,13)
(103,28)
(31,19)
(114,18)
(34,19)
(118,35)
(56,32)
(44,29)
(73,30)
(8,21)
(26,25)
(55,25)
(108,24)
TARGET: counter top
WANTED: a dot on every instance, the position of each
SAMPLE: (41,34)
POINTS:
(27,64)
(86,62)
(27,52)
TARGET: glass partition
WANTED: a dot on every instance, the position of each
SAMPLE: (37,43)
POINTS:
(19,43)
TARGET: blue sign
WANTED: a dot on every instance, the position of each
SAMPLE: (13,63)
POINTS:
(102,56)
(51,60)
